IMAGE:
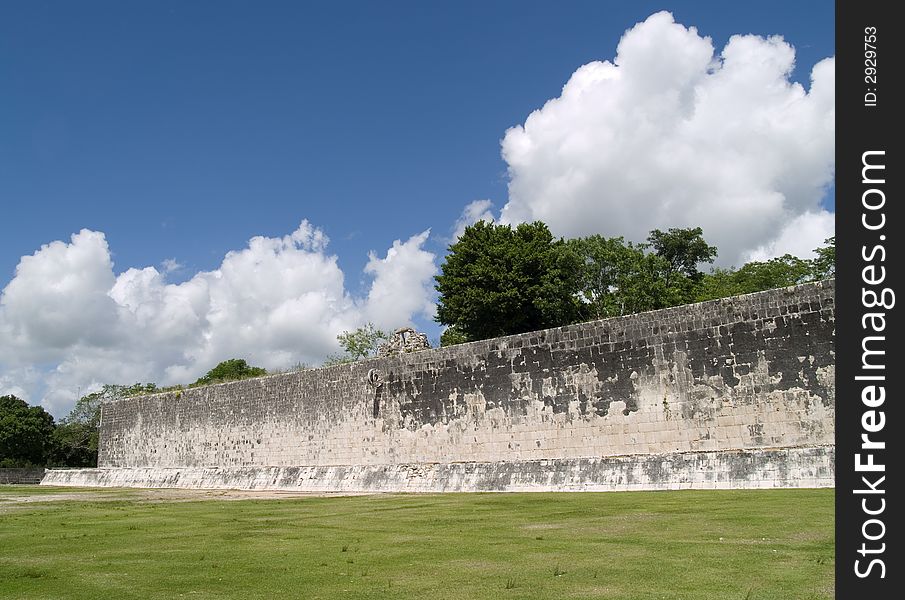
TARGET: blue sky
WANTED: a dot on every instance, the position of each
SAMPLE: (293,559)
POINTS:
(182,129)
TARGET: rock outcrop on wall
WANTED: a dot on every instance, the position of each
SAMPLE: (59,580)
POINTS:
(736,392)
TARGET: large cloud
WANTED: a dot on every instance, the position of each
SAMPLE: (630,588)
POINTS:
(478,210)
(403,283)
(671,135)
(69,324)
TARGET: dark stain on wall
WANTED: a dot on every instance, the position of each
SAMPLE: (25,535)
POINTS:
(726,344)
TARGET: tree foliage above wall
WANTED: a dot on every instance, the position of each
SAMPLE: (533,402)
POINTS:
(757,276)
(497,280)
(233,369)
(358,344)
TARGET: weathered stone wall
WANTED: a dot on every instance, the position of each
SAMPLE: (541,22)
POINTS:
(747,373)
(21,476)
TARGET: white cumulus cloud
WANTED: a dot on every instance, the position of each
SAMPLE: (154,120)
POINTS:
(673,134)
(478,210)
(69,324)
(804,233)
(403,283)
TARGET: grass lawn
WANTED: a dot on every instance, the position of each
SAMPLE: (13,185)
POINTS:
(755,545)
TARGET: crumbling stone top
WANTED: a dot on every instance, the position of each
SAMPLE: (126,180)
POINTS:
(403,341)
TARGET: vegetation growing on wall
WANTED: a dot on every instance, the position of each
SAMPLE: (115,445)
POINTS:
(233,369)
(358,344)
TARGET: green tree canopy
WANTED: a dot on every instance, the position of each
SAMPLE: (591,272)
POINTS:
(358,344)
(647,285)
(825,264)
(683,250)
(619,278)
(74,445)
(755,276)
(25,433)
(230,370)
(604,264)
(497,280)
(452,336)
(362,342)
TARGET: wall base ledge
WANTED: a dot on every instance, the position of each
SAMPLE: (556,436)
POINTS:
(800,467)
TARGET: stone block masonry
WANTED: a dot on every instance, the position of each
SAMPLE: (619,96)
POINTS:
(737,392)
(21,476)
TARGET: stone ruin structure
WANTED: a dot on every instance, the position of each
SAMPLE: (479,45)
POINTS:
(404,340)
(731,393)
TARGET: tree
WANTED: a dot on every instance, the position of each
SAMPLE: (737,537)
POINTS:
(618,278)
(755,276)
(497,280)
(74,445)
(230,370)
(683,250)
(25,433)
(362,342)
(647,285)
(452,336)
(604,264)
(824,265)
(358,344)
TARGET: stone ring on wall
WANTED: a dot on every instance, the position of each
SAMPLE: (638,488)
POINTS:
(375,378)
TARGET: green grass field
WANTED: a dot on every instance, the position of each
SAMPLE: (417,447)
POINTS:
(755,545)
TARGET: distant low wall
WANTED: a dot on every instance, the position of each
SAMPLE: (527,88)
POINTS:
(21,476)
(745,375)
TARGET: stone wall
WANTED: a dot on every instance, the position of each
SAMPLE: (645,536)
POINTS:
(724,469)
(31,475)
(753,372)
